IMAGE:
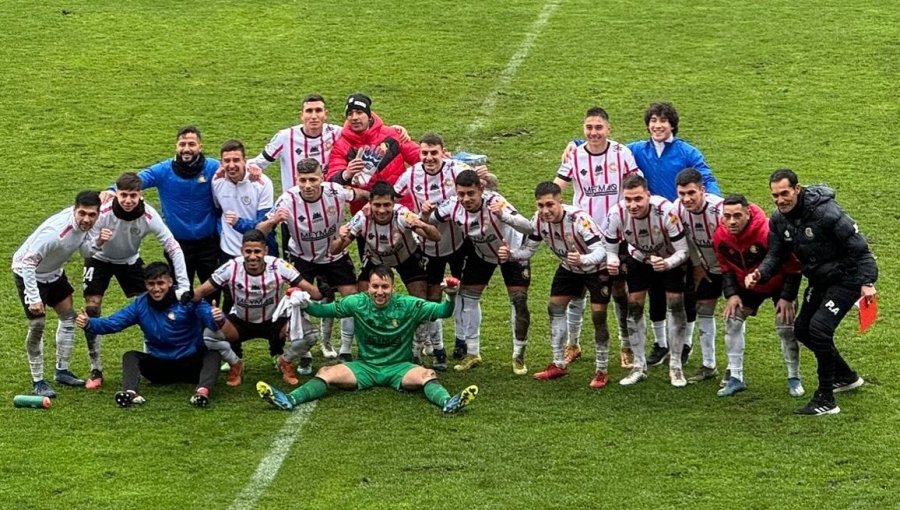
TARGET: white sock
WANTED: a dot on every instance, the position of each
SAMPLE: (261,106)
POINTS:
(637,335)
(790,348)
(34,346)
(519,348)
(65,339)
(557,334)
(601,340)
(574,320)
(707,333)
(621,311)
(659,334)
(689,334)
(436,334)
(677,330)
(471,315)
(346,335)
(734,346)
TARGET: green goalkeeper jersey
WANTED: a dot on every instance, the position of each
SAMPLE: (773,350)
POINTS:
(384,334)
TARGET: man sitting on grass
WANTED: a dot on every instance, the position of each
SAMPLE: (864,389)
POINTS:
(385,326)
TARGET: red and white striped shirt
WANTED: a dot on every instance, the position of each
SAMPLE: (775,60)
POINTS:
(291,145)
(314,224)
(598,177)
(421,187)
(389,244)
(487,231)
(255,296)
(655,234)
(575,233)
(700,229)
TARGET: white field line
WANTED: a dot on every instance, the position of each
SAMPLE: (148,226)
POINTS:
(271,463)
(490,102)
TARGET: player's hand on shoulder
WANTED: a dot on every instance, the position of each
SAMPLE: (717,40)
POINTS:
(255,171)
(106,195)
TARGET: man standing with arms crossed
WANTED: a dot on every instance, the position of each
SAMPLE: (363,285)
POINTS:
(39,270)
(839,266)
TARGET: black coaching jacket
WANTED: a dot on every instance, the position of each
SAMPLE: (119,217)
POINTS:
(825,240)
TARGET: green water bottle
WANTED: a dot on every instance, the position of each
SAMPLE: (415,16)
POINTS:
(33,401)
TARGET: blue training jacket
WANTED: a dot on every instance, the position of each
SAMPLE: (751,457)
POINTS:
(173,333)
(660,171)
(187,204)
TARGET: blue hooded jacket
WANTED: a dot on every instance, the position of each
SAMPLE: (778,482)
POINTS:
(660,171)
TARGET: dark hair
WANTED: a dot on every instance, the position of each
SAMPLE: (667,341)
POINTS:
(383,189)
(308,166)
(87,198)
(468,178)
(432,139)
(383,271)
(253,236)
(689,176)
(664,110)
(736,199)
(546,188)
(156,270)
(784,173)
(634,181)
(188,130)
(596,111)
(311,98)
(129,181)
(233,145)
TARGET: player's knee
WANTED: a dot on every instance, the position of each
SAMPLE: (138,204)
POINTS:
(67,315)
(92,310)
(734,325)
(675,303)
(427,375)
(635,310)
(36,325)
(598,317)
(555,309)
(820,331)
(706,309)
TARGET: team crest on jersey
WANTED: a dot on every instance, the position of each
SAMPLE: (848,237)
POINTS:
(329,145)
(808,232)
(612,168)
(331,210)
(754,249)
(604,290)
(674,218)
(135,230)
(526,274)
(394,323)
(586,223)
(448,182)
(245,200)
(171,316)
(787,234)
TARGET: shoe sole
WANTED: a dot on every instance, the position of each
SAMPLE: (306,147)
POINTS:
(660,362)
(539,377)
(466,397)
(199,401)
(520,369)
(732,393)
(850,387)
(77,383)
(628,382)
(836,410)
(468,366)
(123,400)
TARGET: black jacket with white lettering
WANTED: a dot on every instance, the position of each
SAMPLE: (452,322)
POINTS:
(825,239)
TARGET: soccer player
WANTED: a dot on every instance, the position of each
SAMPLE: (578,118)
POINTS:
(368,150)
(700,213)
(488,221)
(39,271)
(313,211)
(122,225)
(741,242)
(597,168)
(657,251)
(174,351)
(386,323)
(185,195)
(573,237)
(839,266)
(661,158)
(390,233)
(255,281)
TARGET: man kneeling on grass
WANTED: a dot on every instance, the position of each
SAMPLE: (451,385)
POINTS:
(385,326)
(174,350)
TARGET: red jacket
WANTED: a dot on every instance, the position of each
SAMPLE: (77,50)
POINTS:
(368,141)
(739,255)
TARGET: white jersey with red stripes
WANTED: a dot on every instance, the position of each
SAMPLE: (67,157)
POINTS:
(597,178)
(255,296)
(653,234)
(577,232)
(700,229)
(314,224)
(482,227)
(389,244)
(422,187)
(290,146)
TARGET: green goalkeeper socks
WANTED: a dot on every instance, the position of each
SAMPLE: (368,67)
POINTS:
(435,393)
(314,389)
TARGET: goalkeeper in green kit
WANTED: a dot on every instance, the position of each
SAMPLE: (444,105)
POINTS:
(385,324)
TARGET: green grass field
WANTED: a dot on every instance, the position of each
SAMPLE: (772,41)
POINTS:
(90,89)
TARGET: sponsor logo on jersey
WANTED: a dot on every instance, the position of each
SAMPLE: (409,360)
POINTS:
(317,235)
(601,190)
(245,200)
(808,232)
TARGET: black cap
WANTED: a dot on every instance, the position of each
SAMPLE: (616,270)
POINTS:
(358,102)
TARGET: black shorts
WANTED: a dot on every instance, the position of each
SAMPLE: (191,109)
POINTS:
(52,293)
(641,277)
(269,330)
(436,267)
(410,270)
(753,300)
(568,283)
(98,273)
(334,274)
(201,257)
(708,289)
(477,271)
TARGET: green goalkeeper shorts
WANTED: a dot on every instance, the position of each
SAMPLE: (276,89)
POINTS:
(369,375)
